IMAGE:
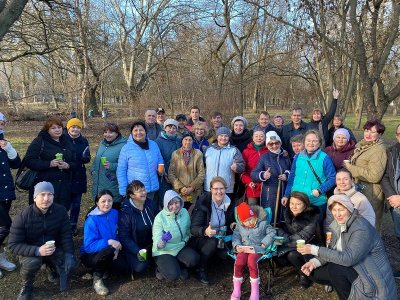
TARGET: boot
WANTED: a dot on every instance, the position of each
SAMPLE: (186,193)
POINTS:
(98,285)
(304,281)
(237,288)
(5,264)
(255,288)
(26,292)
(202,276)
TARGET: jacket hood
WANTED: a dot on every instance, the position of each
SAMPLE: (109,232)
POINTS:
(350,145)
(349,192)
(96,212)
(260,212)
(168,196)
(342,199)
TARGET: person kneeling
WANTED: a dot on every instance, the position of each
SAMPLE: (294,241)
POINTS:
(171,231)
(250,237)
(48,222)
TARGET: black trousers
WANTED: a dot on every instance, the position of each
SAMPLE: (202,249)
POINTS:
(340,277)
(5,220)
(170,266)
(103,261)
(206,247)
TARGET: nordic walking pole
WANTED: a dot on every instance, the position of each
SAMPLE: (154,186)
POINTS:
(278,193)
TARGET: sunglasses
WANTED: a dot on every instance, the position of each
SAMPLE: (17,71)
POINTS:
(274,144)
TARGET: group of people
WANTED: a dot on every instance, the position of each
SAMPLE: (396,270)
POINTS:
(168,192)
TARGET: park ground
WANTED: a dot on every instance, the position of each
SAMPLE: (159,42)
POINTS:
(284,282)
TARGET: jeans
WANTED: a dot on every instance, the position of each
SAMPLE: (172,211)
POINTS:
(169,265)
(5,220)
(395,212)
(75,209)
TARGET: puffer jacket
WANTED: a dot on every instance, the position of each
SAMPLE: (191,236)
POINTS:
(362,249)
(262,233)
(38,158)
(98,229)
(82,155)
(288,131)
(322,125)
(251,157)
(107,179)
(391,176)
(167,146)
(332,130)
(339,155)
(135,163)
(181,175)
(201,145)
(31,228)
(201,215)
(218,163)
(7,187)
(177,224)
(134,226)
(303,226)
(359,201)
(367,167)
(278,164)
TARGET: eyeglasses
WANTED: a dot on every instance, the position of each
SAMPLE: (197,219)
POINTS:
(312,142)
(274,144)
(141,191)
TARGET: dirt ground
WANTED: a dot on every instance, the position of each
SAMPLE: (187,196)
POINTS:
(284,282)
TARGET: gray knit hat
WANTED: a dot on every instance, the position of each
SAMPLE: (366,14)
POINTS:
(223,130)
(42,187)
(169,122)
(343,200)
(239,118)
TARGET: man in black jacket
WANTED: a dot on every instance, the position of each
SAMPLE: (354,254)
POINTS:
(41,234)
(297,126)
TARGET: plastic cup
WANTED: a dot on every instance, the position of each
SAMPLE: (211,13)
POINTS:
(142,254)
(160,168)
(51,243)
(59,156)
(279,240)
(346,161)
(328,235)
(103,160)
(300,243)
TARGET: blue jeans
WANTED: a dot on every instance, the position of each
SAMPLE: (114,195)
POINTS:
(395,212)
(75,209)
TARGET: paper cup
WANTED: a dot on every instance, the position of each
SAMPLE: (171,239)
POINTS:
(160,168)
(328,235)
(103,160)
(346,161)
(51,243)
(300,243)
(59,156)
(143,254)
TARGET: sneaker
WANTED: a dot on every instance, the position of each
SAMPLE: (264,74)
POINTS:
(396,275)
(203,277)
(5,264)
(99,286)
(328,288)
(304,281)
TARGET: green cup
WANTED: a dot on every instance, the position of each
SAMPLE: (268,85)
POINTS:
(103,160)
(300,243)
(142,255)
(59,156)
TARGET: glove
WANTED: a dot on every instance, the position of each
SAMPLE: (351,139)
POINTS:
(70,262)
(166,236)
(11,152)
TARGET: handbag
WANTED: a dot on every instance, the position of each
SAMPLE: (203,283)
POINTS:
(315,173)
(25,177)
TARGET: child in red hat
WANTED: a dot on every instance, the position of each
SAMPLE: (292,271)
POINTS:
(250,231)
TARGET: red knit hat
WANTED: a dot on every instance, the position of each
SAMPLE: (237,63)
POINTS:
(244,212)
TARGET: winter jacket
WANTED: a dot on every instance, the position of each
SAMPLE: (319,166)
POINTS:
(177,224)
(82,155)
(107,179)
(135,163)
(322,125)
(302,179)
(98,229)
(251,157)
(201,145)
(262,233)
(339,155)
(278,164)
(31,228)
(181,175)
(189,123)
(288,131)
(367,166)
(362,249)
(218,163)
(201,215)
(241,141)
(7,187)
(392,172)
(153,131)
(38,158)
(301,227)
(134,226)
(359,201)
(265,129)
(167,146)
(331,132)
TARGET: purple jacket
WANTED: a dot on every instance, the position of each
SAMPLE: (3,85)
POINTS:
(339,155)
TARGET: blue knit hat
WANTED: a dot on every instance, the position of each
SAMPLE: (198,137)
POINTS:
(223,130)
(43,187)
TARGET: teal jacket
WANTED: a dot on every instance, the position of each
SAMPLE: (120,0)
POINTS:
(107,179)
(177,224)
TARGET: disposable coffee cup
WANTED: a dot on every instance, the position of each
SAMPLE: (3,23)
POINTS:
(142,254)
(51,243)
(103,160)
(160,168)
(328,235)
(346,161)
(59,156)
(300,243)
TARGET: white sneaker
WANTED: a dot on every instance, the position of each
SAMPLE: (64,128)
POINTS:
(5,264)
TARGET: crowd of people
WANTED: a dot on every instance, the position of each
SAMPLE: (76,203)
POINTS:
(164,196)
